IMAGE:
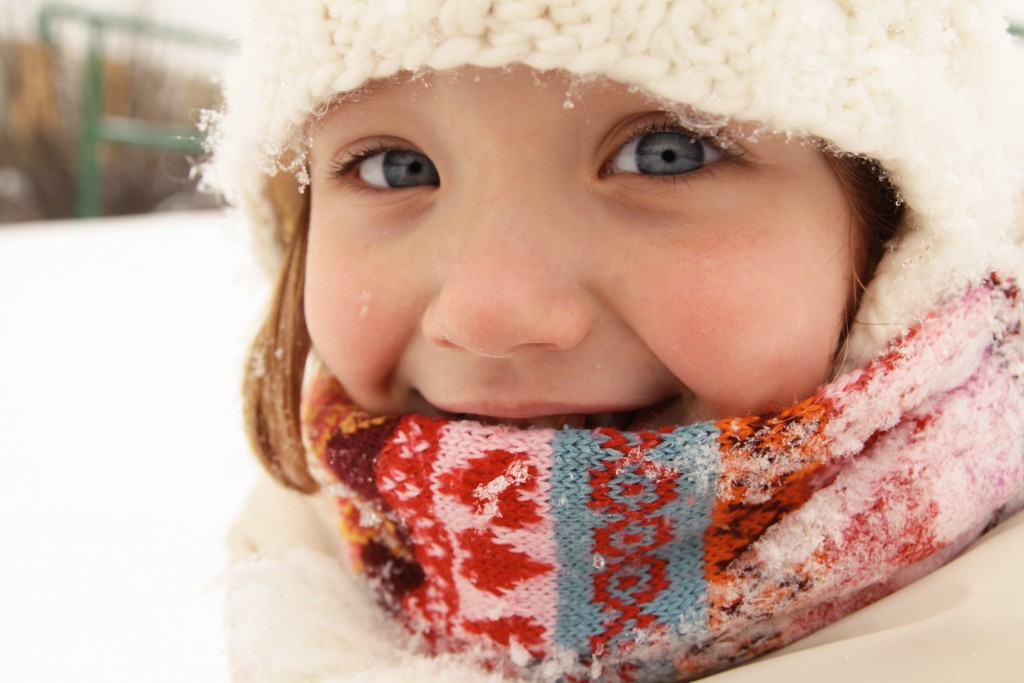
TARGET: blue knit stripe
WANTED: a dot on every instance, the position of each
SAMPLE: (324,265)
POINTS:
(574,450)
(691,451)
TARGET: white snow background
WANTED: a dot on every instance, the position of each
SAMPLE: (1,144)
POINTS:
(121,448)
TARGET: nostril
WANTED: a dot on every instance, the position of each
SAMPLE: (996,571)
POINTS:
(437,338)
(463,333)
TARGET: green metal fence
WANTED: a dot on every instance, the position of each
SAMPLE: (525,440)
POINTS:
(96,128)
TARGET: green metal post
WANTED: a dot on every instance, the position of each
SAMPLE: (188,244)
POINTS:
(87,192)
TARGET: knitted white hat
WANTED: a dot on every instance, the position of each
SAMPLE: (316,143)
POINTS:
(932,89)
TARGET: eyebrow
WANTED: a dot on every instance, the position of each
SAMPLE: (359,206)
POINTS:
(364,95)
(375,86)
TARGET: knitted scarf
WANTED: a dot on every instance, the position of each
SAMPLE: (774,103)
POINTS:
(597,554)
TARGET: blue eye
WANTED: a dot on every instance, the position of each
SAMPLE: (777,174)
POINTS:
(663,153)
(398,168)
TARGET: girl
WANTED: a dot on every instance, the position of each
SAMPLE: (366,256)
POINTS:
(627,340)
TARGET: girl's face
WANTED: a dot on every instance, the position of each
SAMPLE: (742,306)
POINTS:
(523,248)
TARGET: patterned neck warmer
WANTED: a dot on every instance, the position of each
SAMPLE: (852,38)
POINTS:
(597,554)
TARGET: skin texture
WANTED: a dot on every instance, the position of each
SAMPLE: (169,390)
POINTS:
(540,278)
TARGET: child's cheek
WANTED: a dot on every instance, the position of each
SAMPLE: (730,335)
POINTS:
(740,328)
(353,327)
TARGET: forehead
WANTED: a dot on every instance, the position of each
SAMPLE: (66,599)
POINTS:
(471,81)
(516,93)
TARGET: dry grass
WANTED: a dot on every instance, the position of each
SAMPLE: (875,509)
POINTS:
(40,91)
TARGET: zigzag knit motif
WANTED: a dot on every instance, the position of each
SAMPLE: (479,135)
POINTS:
(573,554)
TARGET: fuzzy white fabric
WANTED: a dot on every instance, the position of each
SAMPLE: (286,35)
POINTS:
(934,90)
(294,616)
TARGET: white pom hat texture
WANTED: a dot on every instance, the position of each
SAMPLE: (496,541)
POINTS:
(931,89)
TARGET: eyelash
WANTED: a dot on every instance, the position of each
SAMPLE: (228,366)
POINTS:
(348,163)
(729,152)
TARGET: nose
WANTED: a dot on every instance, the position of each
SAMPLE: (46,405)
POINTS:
(507,288)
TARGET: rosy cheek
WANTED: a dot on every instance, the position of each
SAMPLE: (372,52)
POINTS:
(697,337)
(349,326)
(742,333)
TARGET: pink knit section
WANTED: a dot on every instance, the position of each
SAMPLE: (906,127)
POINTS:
(507,512)
(474,500)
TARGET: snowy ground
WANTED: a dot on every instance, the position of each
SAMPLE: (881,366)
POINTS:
(122,452)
